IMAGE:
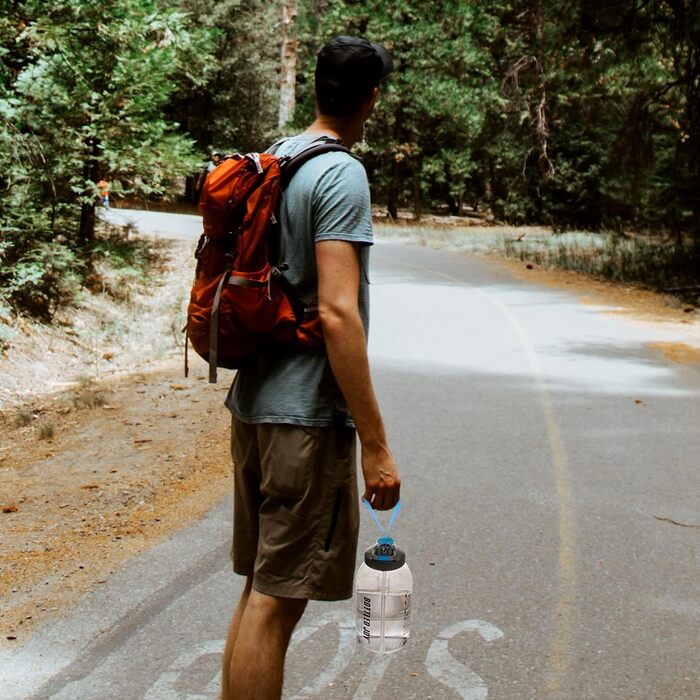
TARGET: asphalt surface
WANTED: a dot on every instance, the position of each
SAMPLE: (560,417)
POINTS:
(544,450)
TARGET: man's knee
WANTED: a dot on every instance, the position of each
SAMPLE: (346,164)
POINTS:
(287,611)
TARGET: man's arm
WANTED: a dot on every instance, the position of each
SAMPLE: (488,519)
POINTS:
(338,268)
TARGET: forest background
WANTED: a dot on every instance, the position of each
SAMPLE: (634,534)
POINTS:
(575,115)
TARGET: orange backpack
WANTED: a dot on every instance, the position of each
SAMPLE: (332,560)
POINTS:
(240,301)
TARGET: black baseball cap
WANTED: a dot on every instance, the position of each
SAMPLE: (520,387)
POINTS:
(352,61)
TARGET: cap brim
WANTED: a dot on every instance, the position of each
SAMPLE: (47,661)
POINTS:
(387,60)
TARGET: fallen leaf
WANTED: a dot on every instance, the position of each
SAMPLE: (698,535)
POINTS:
(639,402)
(90,486)
(142,440)
(11,508)
(179,387)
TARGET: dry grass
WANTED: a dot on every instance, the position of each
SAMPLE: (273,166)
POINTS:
(106,334)
(23,417)
(87,395)
(45,429)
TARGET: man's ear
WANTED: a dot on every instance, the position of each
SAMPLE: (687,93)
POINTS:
(371,101)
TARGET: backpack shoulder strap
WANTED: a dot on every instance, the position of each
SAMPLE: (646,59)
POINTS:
(275,146)
(289,165)
(324,144)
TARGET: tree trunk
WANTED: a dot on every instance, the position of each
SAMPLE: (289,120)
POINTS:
(86,236)
(288,63)
(538,113)
(392,205)
(488,189)
(417,204)
(87,224)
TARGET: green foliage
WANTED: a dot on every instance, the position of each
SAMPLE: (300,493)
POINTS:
(83,89)
(45,277)
(229,101)
(123,262)
(574,114)
(421,137)
(567,113)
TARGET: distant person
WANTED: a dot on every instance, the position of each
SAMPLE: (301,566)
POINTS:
(295,414)
(216,158)
(103,187)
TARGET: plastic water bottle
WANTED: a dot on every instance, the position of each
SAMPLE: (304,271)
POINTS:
(383,588)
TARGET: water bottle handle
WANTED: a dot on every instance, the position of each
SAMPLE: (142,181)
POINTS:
(394,513)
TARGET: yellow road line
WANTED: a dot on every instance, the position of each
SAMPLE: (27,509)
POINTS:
(561,642)
(562,637)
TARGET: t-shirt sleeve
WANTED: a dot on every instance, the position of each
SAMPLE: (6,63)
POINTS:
(341,204)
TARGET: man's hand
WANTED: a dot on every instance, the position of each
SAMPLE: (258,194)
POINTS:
(382,482)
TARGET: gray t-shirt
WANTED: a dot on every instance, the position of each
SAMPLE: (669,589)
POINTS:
(327,199)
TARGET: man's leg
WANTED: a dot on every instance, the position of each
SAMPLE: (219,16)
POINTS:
(231,639)
(257,662)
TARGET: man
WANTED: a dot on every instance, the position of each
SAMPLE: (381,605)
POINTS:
(216,159)
(296,510)
(103,187)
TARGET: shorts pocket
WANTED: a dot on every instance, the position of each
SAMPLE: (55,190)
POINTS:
(286,544)
(335,514)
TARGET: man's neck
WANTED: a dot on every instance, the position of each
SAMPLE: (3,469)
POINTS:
(349,132)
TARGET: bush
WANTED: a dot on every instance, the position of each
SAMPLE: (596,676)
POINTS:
(45,278)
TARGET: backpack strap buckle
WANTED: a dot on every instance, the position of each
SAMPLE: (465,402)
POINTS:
(254,158)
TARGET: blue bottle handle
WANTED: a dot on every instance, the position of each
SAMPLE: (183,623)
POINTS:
(394,513)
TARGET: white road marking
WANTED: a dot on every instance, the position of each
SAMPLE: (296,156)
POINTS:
(445,669)
(165,688)
(441,665)
(346,649)
(373,677)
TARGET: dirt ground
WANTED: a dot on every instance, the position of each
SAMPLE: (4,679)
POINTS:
(106,448)
(128,463)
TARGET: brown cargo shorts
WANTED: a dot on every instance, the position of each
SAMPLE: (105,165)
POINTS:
(295,509)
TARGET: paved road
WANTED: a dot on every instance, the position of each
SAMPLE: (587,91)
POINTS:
(538,439)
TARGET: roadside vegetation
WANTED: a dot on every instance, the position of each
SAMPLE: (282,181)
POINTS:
(661,265)
(650,262)
(126,313)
